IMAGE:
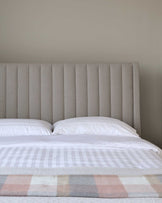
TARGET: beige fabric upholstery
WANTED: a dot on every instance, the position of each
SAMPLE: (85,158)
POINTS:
(57,91)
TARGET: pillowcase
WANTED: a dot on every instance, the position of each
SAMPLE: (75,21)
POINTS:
(23,127)
(93,126)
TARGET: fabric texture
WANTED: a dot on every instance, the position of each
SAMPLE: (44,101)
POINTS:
(54,92)
(93,126)
(97,186)
(24,127)
(81,154)
(79,161)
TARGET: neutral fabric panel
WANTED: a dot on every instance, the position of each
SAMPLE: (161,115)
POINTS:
(69,91)
(104,90)
(46,92)
(23,91)
(57,91)
(34,91)
(136,98)
(93,89)
(81,90)
(11,91)
(116,90)
(127,93)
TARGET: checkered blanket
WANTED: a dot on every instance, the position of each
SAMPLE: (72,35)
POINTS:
(103,186)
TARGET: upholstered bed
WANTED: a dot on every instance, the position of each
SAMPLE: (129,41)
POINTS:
(54,92)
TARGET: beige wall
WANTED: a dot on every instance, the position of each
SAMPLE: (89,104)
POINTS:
(90,31)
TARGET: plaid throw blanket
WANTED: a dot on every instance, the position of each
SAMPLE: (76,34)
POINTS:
(103,186)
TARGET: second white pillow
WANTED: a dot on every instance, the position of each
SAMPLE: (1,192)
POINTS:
(93,126)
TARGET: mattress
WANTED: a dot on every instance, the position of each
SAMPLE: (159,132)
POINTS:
(80,166)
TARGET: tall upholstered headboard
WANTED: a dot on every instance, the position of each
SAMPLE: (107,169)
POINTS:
(57,91)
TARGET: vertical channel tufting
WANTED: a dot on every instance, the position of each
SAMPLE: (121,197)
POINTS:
(104,90)
(58,91)
(127,93)
(34,91)
(93,89)
(136,98)
(69,91)
(23,91)
(46,92)
(11,91)
(116,91)
(2,90)
(81,90)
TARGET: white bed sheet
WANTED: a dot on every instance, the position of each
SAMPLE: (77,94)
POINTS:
(79,154)
(100,141)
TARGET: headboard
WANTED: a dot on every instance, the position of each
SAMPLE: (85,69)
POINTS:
(57,91)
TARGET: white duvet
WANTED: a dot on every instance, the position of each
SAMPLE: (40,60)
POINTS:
(78,154)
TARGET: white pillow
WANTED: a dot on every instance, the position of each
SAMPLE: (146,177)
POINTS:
(21,127)
(93,126)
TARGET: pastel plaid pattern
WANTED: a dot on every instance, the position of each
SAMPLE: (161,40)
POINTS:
(98,186)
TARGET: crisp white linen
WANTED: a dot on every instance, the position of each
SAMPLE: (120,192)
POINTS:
(81,141)
(24,127)
(93,126)
(81,154)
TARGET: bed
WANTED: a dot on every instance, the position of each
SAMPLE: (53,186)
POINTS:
(82,168)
